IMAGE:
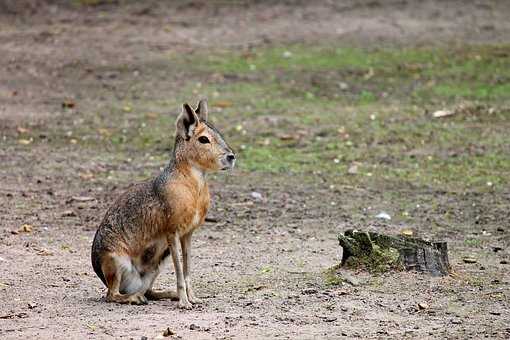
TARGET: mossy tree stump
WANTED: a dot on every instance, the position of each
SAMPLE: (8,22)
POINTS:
(378,252)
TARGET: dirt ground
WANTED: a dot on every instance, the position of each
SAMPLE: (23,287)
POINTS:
(260,268)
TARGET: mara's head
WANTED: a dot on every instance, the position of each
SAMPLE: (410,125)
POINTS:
(198,142)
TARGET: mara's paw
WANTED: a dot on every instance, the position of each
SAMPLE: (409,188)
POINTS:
(185,304)
(137,299)
(194,300)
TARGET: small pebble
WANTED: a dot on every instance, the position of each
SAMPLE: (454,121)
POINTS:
(194,327)
(469,260)
(383,215)
(168,332)
(309,291)
(256,195)
(350,279)
(330,319)
(423,305)
(68,213)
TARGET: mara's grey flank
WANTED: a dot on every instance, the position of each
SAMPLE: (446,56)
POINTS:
(149,221)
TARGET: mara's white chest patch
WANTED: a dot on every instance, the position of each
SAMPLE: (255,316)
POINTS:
(198,176)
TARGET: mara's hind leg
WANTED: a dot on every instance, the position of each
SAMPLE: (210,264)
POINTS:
(151,294)
(113,268)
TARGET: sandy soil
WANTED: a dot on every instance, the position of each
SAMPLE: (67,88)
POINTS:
(259,269)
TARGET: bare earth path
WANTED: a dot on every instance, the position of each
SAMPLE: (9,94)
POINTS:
(260,268)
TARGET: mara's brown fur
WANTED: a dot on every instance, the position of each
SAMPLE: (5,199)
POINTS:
(148,221)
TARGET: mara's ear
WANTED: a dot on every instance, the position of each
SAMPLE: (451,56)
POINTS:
(202,110)
(187,122)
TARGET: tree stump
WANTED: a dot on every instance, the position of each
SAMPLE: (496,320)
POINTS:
(378,252)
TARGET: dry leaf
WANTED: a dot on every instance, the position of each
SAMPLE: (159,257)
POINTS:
(369,74)
(442,113)
(286,137)
(266,142)
(413,68)
(104,132)
(26,228)
(152,115)
(68,104)
(353,169)
(24,141)
(222,103)
(83,198)
(407,232)
(44,252)
(86,175)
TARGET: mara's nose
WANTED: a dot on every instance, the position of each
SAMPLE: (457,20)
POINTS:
(231,157)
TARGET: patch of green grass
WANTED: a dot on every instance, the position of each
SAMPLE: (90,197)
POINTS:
(312,58)
(478,91)
(320,110)
(472,242)
(276,159)
(394,144)
(331,276)
(419,75)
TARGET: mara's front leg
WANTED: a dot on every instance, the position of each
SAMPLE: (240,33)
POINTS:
(186,259)
(173,240)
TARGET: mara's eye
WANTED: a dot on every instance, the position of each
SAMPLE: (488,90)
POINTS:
(203,139)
